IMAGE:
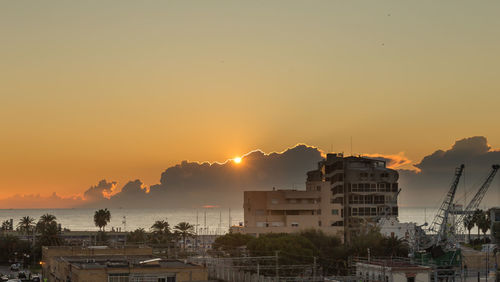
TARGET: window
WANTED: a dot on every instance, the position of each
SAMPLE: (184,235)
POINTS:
(274,201)
(335,212)
(410,279)
(318,188)
(295,224)
(337,223)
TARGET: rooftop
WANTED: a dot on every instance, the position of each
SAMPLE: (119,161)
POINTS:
(101,262)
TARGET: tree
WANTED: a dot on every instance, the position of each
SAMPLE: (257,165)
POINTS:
(484,222)
(231,243)
(6,225)
(26,224)
(292,249)
(477,217)
(49,234)
(137,236)
(101,218)
(185,230)
(394,246)
(469,222)
(161,232)
(327,249)
(44,221)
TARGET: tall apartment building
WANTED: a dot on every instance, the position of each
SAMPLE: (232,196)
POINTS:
(341,196)
(366,189)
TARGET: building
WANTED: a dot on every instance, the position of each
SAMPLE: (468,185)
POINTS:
(365,189)
(391,227)
(287,211)
(341,196)
(495,224)
(101,263)
(392,271)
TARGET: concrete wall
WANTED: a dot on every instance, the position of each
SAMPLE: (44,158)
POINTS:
(282,210)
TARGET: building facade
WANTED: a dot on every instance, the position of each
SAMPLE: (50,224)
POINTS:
(105,264)
(342,195)
(391,271)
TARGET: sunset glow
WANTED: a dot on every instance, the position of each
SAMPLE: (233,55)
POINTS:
(124,94)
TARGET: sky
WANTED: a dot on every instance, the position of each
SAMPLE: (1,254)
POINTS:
(123,90)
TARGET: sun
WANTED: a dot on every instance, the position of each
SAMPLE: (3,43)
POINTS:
(237,160)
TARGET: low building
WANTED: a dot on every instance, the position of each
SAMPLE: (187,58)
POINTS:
(392,271)
(96,264)
(288,211)
(391,227)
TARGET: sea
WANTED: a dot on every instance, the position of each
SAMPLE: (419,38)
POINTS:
(206,220)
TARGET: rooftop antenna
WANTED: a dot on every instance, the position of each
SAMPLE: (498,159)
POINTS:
(351,145)
(124,222)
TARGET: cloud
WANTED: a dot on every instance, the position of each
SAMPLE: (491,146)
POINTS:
(193,184)
(103,190)
(395,161)
(428,186)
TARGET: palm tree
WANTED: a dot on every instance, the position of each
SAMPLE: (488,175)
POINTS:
(477,217)
(101,218)
(26,224)
(185,230)
(469,222)
(44,221)
(394,246)
(161,231)
(137,236)
(484,223)
(6,225)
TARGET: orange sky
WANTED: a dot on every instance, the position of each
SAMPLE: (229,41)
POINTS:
(92,90)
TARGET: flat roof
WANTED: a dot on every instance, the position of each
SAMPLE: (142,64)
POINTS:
(119,261)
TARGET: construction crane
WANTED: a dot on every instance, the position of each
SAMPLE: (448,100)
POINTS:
(476,200)
(439,225)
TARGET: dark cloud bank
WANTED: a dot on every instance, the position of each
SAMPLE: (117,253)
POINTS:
(427,187)
(192,184)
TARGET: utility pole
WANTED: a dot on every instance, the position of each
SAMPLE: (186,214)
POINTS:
(276,266)
(196,231)
(229,220)
(487,263)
